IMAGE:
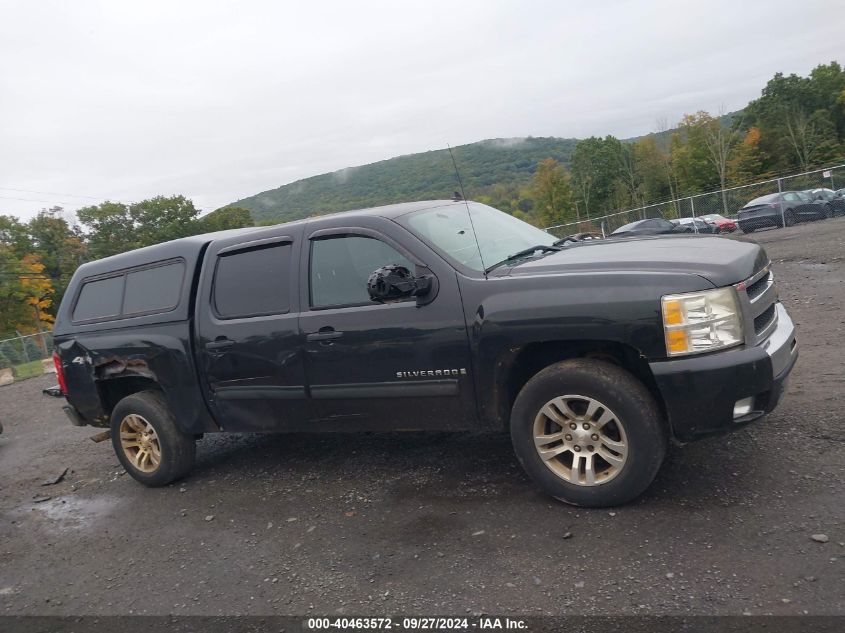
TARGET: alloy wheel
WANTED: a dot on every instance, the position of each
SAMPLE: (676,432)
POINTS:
(580,440)
(140,443)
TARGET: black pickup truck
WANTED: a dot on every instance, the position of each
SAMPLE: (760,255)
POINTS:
(438,315)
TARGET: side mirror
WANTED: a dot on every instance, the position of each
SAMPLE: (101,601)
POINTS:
(394,283)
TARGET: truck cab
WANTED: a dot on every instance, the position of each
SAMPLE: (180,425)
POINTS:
(437,315)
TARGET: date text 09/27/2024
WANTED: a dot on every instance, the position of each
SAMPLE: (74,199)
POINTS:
(416,623)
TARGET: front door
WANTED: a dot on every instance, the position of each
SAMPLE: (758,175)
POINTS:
(248,332)
(396,366)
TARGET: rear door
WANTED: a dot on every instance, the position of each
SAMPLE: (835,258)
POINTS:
(396,366)
(248,332)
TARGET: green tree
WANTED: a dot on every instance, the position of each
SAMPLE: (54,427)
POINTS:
(110,229)
(15,235)
(552,193)
(163,218)
(224,219)
(596,166)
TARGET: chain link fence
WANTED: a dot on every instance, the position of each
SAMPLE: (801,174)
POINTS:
(25,356)
(725,202)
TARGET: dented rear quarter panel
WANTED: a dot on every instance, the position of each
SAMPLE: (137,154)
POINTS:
(161,352)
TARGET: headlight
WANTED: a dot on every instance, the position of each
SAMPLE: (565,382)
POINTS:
(704,321)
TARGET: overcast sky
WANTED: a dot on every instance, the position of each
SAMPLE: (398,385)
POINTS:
(221,100)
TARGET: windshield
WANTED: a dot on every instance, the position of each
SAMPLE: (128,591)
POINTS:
(713,216)
(500,235)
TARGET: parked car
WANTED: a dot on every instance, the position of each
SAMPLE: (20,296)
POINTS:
(575,238)
(697,225)
(427,316)
(722,224)
(834,200)
(651,226)
(777,209)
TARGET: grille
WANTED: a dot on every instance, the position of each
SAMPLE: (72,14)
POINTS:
(764,320)
(762,298)
(759,286)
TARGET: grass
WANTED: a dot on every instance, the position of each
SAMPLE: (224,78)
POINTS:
(28,370)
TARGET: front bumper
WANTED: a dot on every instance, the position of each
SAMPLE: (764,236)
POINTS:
(700,392)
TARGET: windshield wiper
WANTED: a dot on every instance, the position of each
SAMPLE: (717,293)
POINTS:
(524,252)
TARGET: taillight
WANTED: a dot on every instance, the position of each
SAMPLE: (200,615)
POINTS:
(60,373)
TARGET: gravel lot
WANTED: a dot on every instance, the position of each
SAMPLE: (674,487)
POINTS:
(444,524)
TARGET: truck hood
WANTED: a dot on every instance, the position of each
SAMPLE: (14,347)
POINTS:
(720,261)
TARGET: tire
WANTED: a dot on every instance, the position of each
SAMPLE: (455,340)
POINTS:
(788,219)
(828,212)
(148,410)
(624,414)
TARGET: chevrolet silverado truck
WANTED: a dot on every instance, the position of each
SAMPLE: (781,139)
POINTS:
(428,316)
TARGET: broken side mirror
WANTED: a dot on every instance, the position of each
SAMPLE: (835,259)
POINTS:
(395,283)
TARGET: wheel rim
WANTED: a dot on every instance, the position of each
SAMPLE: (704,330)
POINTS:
(580,440)
(140,443)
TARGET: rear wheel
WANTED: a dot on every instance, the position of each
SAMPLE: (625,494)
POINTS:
(588,433)
(147,441)
(789,218)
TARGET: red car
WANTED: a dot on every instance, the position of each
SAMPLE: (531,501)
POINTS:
(722,224)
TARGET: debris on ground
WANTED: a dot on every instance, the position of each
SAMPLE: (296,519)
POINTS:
(55,480)
(820,538)
(101,437)
(54,392)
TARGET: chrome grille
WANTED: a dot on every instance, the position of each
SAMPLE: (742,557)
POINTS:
(760,297)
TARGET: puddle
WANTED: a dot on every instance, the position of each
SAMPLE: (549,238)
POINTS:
(72,513)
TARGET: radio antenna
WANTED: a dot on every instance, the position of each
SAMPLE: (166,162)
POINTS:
(469,214)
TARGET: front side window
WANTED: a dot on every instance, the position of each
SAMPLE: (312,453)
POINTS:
(340,267)
(253,282)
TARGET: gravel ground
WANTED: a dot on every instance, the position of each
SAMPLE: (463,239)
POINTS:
(443,524)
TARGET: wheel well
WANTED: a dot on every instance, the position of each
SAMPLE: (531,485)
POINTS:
(537,356)
(115,389)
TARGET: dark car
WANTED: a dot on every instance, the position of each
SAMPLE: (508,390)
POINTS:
(576,238)
(697,225)
(427,316)
(779,210)
(830,197)
(651,226)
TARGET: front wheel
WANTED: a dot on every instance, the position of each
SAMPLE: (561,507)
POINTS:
(588,433)
(147,441)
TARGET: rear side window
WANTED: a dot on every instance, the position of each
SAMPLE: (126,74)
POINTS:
(154,289)
(99,299)
(253,282)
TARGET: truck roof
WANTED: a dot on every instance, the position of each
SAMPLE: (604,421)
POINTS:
(190,247)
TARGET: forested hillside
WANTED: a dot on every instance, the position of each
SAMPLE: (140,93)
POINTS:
(505,162)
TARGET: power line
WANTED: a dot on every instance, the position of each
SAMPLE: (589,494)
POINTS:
(52,193)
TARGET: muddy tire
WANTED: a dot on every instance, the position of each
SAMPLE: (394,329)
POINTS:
(588,433)
(147,441)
